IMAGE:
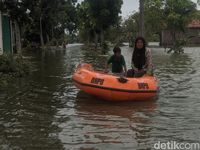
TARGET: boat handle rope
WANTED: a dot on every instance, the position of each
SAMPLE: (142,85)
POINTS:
(122,80)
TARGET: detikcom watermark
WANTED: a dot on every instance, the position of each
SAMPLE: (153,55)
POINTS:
(173,145)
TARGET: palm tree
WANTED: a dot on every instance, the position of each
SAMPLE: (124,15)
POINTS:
(142,28)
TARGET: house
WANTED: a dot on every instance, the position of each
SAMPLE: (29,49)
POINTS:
(5,34)
(192,33)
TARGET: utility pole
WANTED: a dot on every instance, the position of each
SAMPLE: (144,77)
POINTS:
(141,22)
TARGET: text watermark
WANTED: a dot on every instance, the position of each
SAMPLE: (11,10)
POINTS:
(173,145)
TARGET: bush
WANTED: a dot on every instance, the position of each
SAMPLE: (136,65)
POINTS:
(14,65)
(178,46)
(105,47)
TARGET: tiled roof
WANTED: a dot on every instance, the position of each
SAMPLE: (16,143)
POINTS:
(194,24)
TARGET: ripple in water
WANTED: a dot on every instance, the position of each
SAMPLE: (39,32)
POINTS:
(46,111)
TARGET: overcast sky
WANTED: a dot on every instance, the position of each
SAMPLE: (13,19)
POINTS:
(133,5)
(129,6)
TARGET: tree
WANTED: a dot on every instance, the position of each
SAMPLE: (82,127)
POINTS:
(18,15)
(40,21)
(51,16)
(154,19)
(142,28)
(101,15)
(131,27)
(178,14)
(86,23)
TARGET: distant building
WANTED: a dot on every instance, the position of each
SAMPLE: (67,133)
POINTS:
(5,34)
(192,32)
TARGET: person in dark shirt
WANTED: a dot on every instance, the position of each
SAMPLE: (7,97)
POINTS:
(141,59)
(117,61)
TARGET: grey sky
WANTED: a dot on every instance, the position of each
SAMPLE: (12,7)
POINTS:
(129,6)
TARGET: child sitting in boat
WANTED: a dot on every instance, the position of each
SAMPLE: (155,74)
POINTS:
(118,62)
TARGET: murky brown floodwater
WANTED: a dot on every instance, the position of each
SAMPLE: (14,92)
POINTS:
(47,112)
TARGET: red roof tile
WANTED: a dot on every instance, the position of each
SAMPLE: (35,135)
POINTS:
(194,24)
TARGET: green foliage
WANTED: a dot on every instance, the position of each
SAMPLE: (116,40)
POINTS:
(96,17)
(178,46)
(178,13)
(167,14)
(85,22)
(15,9)
(12,67)
(196,15)
(154,18)
(55,16)
(115,34)
(171,15)
(130,28)
(105,47)
(104,13)
(15,66)
(154,22)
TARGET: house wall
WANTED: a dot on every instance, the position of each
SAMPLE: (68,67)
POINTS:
(1,38)
(6,30)
(167,39)
(192,34)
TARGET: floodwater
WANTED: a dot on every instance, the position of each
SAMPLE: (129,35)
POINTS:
(47,112)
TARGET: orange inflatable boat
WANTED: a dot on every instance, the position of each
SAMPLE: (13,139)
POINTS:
(114,88)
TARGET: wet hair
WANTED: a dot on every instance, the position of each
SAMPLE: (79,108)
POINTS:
(116,49)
